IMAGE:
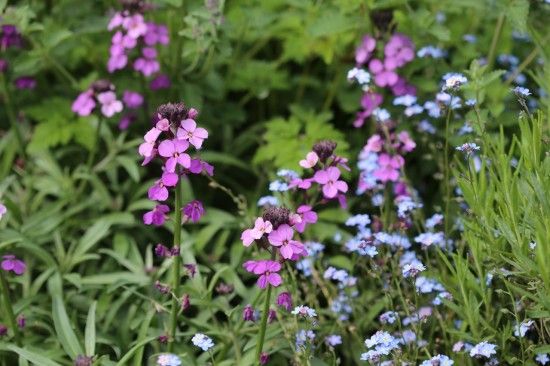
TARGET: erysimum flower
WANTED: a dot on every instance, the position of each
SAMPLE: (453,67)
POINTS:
(11,263)
(307,215)
(190,131)
(84,104)
(174,151)
(3,210)
(310,161)
(109,104)
(329,180)
(194,210)
(157,216)
(388,167)
(267,269)
(260,228)
(282,238)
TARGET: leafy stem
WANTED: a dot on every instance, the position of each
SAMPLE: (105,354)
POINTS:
(7,308)
(263,325)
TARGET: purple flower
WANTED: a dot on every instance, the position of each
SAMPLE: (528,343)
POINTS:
(126,121)
(194,210)
(388,167)
(282,238)
(174,150)
(190,131)
(248,313)
(162,251)
(260,228)
(3,210)
(156,33)
(146,149)
(162,81)
(307,215)
(264,358)
(284,300)
(329,180)
(148,64)
(84,103)
(267,270)
(25,82)
(11,263)
(333,340)
(109,104)
(157,216)
(21,321)
(364,51)
(384,74)
(3,330)
(399,49)
(135,25)
(132,99)
(9,37)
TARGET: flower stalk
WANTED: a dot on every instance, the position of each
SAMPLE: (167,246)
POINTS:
(263,325)
(176,267)
(7,308)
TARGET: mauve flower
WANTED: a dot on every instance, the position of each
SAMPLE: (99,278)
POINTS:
(282,238)
(135,25)
(146,148)
(374,144)
(162,251)
(3,210)
(260,228)
(284,300)
(148,64)
(109,104)
(115,21)
(25,82)
(3,330)
(21,321)
(126,121)
(329,180)
(194,210)
(11,263)
(157,216)
(364,51)
(190,131)
(158,191)
(401,87)
(307,215)
(156,33)
(132,99)
(399,48)
(162,81)
(384,74)
(310,161)
(174,150)
(10,36)
(84,104)
(388,167)
(369,101)
(267,270)
(405,139)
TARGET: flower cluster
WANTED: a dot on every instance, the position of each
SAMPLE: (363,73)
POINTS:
(169,140)
(11,38)
(101,92)
(133,31)
(397,52)
(11,264)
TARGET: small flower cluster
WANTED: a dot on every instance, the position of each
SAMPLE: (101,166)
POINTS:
(133,31)
(101,92)
(11,38)
(177,125)
(398,51)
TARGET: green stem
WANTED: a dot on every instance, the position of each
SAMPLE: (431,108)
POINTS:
(176,269)
(494,42)
(446,171)
(8,310)
(263,325)
(91,155)
(11,117)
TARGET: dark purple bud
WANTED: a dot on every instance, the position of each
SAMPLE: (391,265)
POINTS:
(162,288)
(3,330)
(83,361)
(224,289)
(163,339)
(264,358)
(102,85)
(175,251)
(21,321)
(133,6)
(161,251)
(185,302)
(277,216)
(191,269)
(271,316)
(3,65)
(284,300)
(248,313)
(25,82)
(173,112)
(324,149)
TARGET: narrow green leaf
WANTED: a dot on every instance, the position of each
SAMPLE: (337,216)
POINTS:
(89,335)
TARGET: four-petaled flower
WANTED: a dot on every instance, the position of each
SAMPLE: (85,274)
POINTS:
(174,151)
(267,270)
(260,228)
(329,180)
(190,131)
(157,216)
(11,263)
(282,237)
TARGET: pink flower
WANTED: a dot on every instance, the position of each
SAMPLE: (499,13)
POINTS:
(160,82)
(284,300)
(370,101)
(364,51)
(116,21)
(388,167)
(260,228)
(148,64)
(10,263)
(307,215)
(3,210)
(310,161)
(135,25)
(156,33)
(329,180)
(194,210)
(374,144)
(384,74)
(157,216)
(405,139)
(158,192)
(282,238)
(402,88)
(267,270)
(190,131)
(174,150)
(132,99)
(84,104)
(400,49)
(146,148)
(109,104)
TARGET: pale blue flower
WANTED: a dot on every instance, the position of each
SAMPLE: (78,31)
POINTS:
(202,341)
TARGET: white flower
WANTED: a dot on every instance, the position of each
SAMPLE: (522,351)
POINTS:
(454,81)
(202,341)
(483,349)
(304,311)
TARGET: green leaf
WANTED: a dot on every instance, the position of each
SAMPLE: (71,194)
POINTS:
(517,12)
(89,333)
(31,356)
